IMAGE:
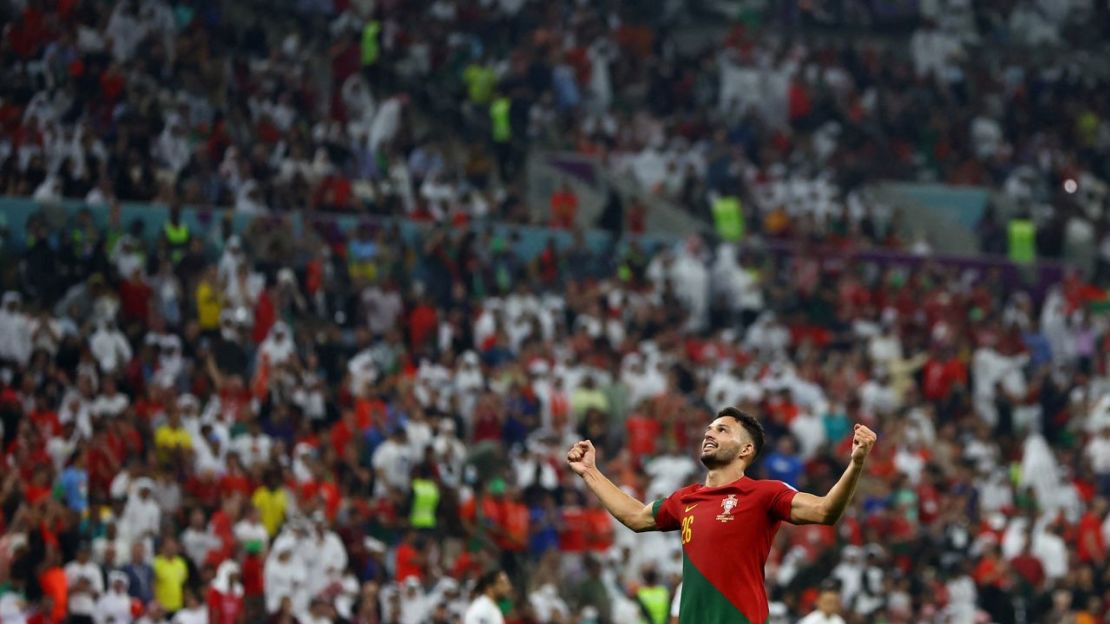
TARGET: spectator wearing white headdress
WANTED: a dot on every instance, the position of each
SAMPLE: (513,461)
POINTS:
(110,346)
(15,330)
(141,515)
(114,605)
(284,577)
(278,347)
(225,595)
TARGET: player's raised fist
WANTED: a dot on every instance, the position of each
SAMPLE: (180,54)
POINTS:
(862,441)
(581,456)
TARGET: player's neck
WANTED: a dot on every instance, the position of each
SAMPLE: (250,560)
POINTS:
(724,475)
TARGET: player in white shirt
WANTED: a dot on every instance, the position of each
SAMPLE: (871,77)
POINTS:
(828,608)
(493,586)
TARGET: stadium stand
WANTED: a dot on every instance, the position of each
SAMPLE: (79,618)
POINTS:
(232,419)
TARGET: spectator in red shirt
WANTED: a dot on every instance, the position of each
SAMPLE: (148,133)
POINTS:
(236,479)
(423,321)
(1091,546)
(599,525)
(990,570)
(943,373)
(564,207)
(1028,566)
(53,582)
(225,595)
(134,297)
(222,527)
(44,418)
(349,426)
(252,577)
(39,488)
(514,523)
(104,462)
(321,490)
(265,312)
(643,432)
(410,557)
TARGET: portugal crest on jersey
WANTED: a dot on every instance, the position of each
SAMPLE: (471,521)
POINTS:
(727,505)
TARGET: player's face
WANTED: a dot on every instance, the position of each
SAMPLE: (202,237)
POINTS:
(723,442)
(503,587)
(829,603)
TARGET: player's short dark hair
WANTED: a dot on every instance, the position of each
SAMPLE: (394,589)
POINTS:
(749,423)
(486,581)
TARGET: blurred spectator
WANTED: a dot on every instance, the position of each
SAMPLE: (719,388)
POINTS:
(170,575)
(828,608)
(270,396)
(490,589)
(564,207)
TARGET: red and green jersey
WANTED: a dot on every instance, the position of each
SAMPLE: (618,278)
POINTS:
(726,535)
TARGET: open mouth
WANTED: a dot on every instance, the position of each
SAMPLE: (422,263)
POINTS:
(708,446)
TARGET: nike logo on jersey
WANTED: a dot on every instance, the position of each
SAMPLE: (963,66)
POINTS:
(691,507)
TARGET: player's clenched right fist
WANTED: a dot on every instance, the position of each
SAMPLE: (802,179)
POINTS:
(580,457)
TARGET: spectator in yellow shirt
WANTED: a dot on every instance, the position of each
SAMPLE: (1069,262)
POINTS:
(172,439)
(271,502)
(170,574)
(588,396)
(208,301)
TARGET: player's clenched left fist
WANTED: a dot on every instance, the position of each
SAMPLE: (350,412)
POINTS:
(580,458)
(862,441)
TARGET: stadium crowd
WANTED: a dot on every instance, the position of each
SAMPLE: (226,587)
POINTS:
(426,108)
(354,425)
(351,427)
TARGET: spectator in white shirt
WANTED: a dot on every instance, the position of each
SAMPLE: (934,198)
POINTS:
(46,333)
(809,429)
(195,612)
(278,347)
(363,372)
(111,402)
(1098,453)
(828,608)
(490,588)
(250,531)
(141,516)
(324,556)
(877,395)
(450,453)
(171,362)
(1051,549)
(172,149)
(392,462)
(284,577)
(209,450)
(15,330)
(668,471)
(115,605)
(197,541)
(253,447)
(110,347)
(232,258)
(383,306)
(547,604)
(86,583)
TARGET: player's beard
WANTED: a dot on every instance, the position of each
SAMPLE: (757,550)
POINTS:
(720,456)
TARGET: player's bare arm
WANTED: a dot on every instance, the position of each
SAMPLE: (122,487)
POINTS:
(827,509)
(627,510)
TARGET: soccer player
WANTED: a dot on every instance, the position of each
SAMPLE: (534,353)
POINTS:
(728,523)
(491,588)
(828,607)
